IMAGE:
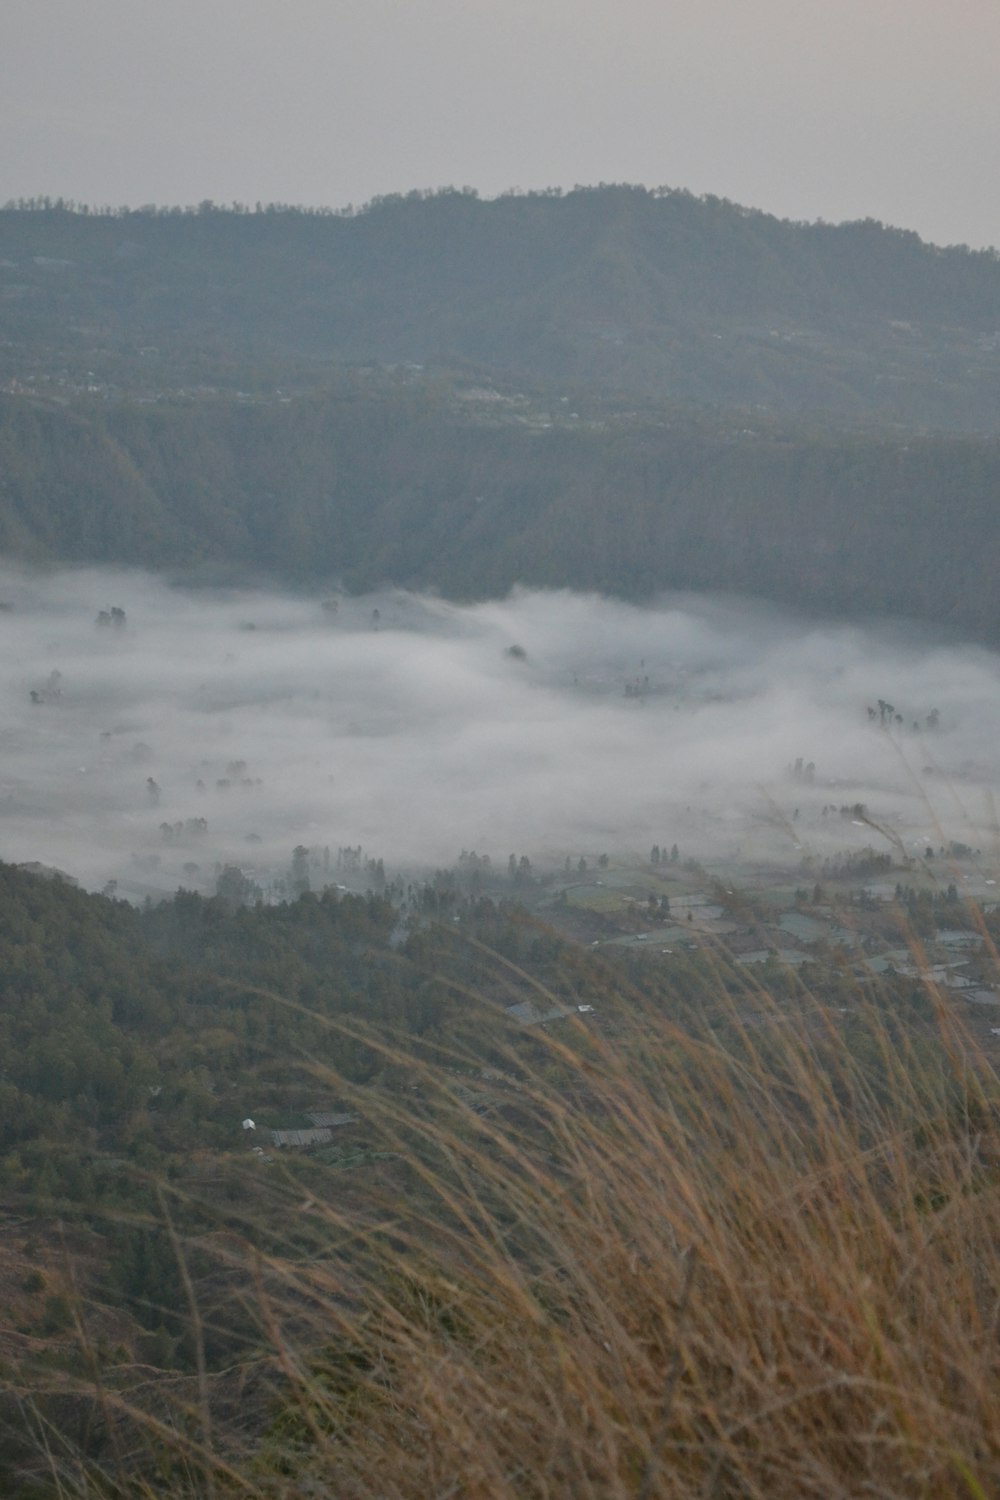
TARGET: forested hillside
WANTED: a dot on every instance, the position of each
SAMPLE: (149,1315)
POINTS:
(607,389)
(498,1216)
(612,288)
(434,485)
(141,1034)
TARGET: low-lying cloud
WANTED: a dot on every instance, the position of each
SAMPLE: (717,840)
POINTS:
(229,728)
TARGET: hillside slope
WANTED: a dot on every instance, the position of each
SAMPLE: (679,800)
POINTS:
(421,488)
(615,288)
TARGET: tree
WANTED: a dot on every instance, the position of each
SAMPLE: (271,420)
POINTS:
(235,888)
(300,869)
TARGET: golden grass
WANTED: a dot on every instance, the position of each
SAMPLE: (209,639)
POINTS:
(735,1260)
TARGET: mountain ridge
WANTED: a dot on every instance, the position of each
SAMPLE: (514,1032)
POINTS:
(613,288)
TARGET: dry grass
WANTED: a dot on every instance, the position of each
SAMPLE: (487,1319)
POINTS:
(672,1267)
(739,1263)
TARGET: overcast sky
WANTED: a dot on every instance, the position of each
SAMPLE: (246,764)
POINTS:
(807,108)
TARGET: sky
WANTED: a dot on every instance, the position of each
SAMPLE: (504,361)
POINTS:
(833,109)
(214,729)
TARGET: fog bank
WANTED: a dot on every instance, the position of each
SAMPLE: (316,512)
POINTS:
(152,734)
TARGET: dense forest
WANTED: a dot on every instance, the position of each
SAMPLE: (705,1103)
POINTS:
(144,1033)
(612,289)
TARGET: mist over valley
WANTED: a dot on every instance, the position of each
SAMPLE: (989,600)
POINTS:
(154,735)
(499,752)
